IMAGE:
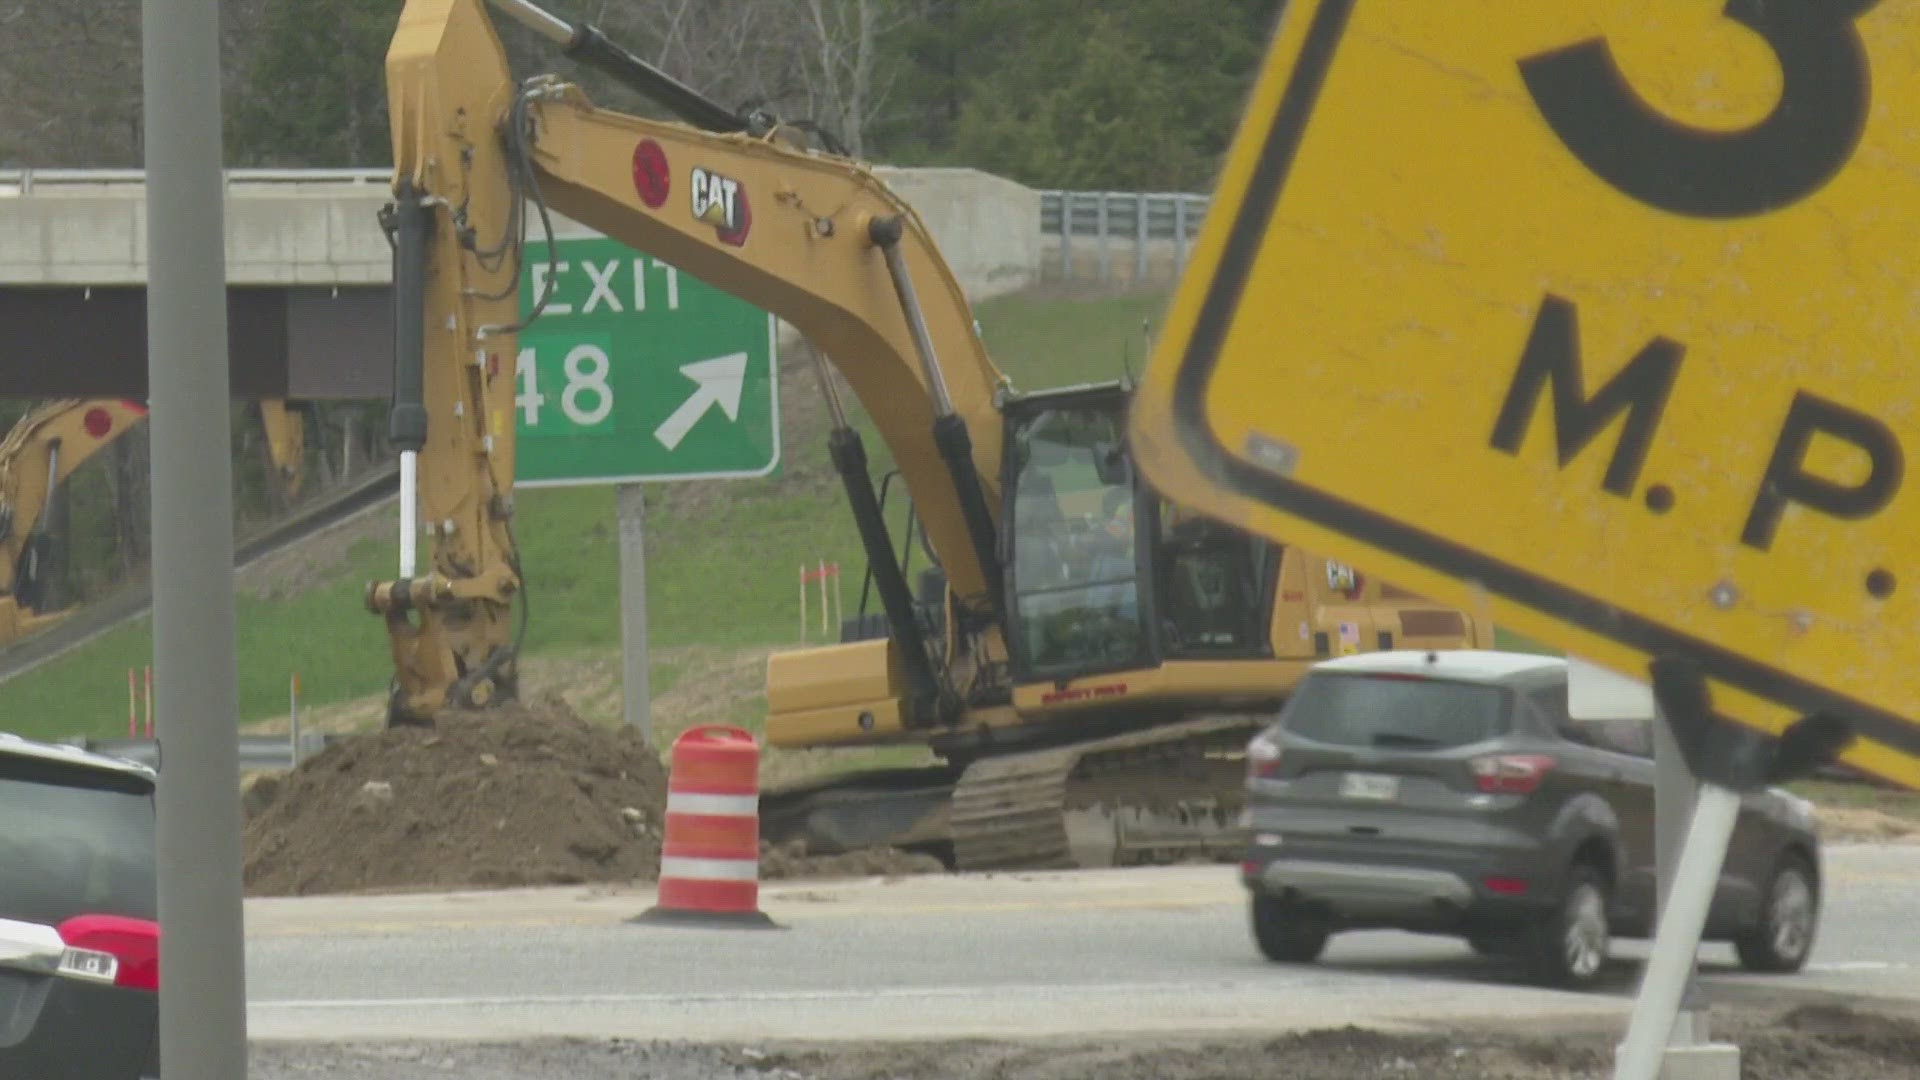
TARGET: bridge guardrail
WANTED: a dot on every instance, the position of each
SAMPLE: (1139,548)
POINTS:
(23,181)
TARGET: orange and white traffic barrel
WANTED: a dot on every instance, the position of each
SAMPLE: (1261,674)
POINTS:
(710,861)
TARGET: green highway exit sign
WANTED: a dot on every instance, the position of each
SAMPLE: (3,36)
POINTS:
(638,372)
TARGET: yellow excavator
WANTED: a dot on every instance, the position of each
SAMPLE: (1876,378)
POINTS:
(1086,659)
(44,448)
(38,454)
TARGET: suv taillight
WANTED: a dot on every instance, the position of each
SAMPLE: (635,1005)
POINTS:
(1510,774)
(1263,758)
(112,949)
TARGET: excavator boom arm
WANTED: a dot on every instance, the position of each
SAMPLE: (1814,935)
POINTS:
(817,240)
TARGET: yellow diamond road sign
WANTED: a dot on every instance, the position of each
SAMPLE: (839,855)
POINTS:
(1602,315)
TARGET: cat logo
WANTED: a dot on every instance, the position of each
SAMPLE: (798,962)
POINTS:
(722,203)
(1343,579)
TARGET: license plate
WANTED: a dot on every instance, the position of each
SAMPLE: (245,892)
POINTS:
(1359,785)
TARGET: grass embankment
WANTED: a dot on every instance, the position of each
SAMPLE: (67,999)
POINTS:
(723,560)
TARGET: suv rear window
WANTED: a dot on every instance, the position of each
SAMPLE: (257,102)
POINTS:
(74,841)
(1395,712)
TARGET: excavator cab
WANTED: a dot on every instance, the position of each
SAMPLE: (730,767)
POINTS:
(1105,575)
(1122,607)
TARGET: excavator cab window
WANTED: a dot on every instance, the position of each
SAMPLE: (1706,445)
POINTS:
(1075,571)
(1212,586)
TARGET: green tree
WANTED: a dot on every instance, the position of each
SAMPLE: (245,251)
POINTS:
(1094,114)
(314,93)
(1119,94)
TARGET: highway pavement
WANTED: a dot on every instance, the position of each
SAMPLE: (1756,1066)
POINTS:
(1120,951)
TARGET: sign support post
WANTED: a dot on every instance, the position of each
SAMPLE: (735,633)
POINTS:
(630,508)
(1676,794)
(1729,760)
(203,1021)
(1676,941)
(1597,694)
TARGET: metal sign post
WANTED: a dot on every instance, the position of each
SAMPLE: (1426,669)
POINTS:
(1670,968)
(630,506)
(203,1023)
(1730,760)
(1676,796)
(1596,694)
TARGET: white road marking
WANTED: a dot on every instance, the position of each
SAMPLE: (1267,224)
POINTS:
(723,996)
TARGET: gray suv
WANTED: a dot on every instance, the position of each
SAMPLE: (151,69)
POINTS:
(1450,793)
(79,940)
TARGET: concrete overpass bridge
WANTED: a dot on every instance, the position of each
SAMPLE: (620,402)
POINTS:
(309,272)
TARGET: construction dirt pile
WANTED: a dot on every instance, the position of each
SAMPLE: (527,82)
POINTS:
(527,794)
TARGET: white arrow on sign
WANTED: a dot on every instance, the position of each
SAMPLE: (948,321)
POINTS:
(721,382)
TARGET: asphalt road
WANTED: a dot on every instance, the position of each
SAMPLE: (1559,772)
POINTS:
(1129,951)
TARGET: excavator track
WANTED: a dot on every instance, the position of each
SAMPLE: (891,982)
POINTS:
(1163,794)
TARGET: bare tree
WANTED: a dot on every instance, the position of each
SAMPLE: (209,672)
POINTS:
(845,88)
(816,60)
(738,52)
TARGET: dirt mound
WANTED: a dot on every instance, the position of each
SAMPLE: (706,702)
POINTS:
(524,795)
(527,794)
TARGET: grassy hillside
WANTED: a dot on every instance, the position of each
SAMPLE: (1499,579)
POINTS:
(723,557)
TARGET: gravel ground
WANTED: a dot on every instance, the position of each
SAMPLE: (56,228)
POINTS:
(1808,1042)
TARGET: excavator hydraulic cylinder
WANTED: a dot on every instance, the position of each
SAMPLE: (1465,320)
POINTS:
(407,422)
(956,448)
(949,427)
(586,43)
(850,460)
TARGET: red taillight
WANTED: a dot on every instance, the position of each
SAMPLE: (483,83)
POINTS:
(1263,758)
(112,949)
(1505,886)
(1510,774)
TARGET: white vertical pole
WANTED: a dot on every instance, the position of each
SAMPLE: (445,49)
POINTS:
(1675,794)
(409,511)
(1678,937)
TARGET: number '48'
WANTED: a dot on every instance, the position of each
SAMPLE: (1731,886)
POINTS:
(586,367)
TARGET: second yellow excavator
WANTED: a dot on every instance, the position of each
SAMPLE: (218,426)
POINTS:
(44,447)
(1086,659)
(38,454)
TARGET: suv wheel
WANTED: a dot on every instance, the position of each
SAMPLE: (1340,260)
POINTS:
(1570,948)
(1782,939)
(1286,933)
